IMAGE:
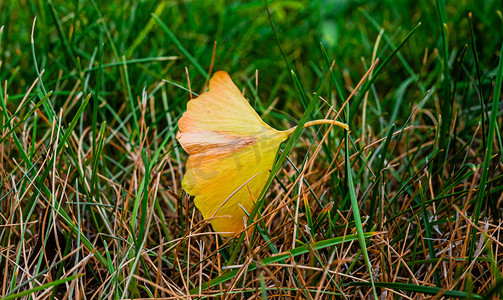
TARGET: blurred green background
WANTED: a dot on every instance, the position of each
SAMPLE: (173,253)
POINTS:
(68,35)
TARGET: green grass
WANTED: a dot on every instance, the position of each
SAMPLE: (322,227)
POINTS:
(407,204)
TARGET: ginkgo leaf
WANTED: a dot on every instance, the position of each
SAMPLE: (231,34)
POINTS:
(231,151)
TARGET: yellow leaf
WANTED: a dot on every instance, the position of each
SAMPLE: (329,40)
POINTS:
(231,151)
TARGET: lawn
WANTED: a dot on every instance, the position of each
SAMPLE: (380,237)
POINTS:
(406,204)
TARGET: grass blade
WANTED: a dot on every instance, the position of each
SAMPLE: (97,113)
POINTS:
(488,153)
(43,287)
(356,210)
(281,257)
(180,47)
(429,290)
(376,72)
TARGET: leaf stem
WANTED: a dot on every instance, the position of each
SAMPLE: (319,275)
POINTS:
(320,122)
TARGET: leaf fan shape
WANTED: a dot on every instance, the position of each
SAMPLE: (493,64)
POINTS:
(231,150)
